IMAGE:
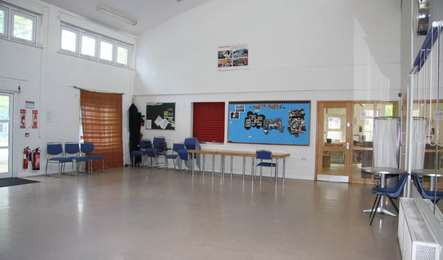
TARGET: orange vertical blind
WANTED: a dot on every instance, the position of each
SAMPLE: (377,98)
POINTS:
(102,125)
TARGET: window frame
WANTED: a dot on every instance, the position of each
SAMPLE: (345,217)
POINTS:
(5,22)
(112,61)
(96,50)
(69,29)
(13,12)
(116,46)
(80,32)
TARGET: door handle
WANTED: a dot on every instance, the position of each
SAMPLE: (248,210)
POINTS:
(347,146)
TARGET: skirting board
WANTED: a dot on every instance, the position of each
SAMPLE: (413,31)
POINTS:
(332,178)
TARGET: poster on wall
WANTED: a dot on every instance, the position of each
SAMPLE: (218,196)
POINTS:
(270,122)
(232,57)
(160,116)
(34,119)
(22,118)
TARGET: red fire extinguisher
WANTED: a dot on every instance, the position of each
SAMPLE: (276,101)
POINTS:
(26,153)
(36,159)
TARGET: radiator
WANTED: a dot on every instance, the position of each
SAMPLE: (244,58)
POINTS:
(420,233)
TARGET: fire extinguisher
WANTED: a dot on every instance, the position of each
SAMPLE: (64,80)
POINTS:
(26,153)
(36,159)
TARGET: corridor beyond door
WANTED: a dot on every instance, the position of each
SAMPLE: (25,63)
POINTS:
(5,135)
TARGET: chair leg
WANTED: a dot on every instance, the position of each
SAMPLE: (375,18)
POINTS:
(374,209)
(393,204)
(261,173)
(46,169)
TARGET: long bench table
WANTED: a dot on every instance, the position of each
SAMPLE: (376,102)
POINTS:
(223,153)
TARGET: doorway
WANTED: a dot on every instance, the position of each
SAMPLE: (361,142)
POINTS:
(5,135)
(344,138)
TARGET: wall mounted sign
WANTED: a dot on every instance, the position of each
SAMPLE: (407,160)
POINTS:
(232,57)
(270,122)
(29,104)
(22,118)
(160,116)
(34,119)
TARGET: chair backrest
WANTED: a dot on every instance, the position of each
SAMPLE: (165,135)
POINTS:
(183,154)
(87,147)
(145,144)
(177,147)
(419,184)
(191,143)
(400,185)
(72,148)
(54,148)
(159,144)
(263,155)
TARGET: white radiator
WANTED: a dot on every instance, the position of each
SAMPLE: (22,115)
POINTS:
(420,231)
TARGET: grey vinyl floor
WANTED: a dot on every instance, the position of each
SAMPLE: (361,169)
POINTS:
(166,214)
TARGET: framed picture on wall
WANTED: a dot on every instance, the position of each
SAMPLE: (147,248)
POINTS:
(160,116)
(233,57)
(270,122)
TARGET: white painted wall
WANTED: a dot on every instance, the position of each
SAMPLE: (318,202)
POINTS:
(321,50)
(47,77)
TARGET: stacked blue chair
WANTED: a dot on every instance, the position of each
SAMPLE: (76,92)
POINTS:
(72,151)
(265,160)
(87,148)
(392,193)
(55,155)
(160,148)
(192,143)
(176,148)
(435,197)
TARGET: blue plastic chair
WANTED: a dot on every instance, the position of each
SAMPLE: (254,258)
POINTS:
(174,155)
(393,192)
(160,149)
(426,194)
(87,148)
(265,160)
(192,143)
(55,154)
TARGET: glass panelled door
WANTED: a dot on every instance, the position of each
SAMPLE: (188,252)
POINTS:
(334,141)
(5,132)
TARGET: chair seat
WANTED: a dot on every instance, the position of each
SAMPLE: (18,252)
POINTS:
(172,156)
(95,157)
(82,159)
(266,164)
(60,159)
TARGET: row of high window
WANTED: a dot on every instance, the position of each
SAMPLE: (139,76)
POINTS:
(17,24)
(85,44)
(21,25)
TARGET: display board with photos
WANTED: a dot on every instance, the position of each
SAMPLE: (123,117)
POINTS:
(270,122)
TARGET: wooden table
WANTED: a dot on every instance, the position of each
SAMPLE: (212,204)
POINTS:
(223,153)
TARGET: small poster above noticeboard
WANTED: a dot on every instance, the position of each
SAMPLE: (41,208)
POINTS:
(270,122)
(160,116)
(233,57)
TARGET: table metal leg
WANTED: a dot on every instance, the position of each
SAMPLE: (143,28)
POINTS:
(276,171)
(244,166)
(284,170)
(232,165)
(203,163)
(252,167)
(213,164)
(222,160)
(381,209)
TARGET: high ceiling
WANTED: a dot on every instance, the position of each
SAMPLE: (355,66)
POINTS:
(148,13)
